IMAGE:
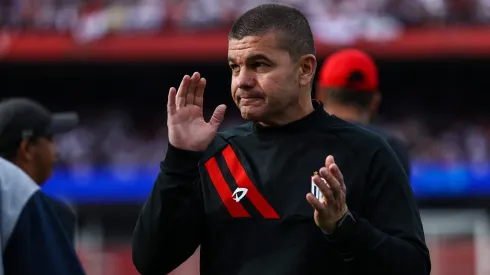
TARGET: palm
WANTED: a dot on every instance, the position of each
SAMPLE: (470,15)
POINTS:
(186,125)
(332,206)
(321,217)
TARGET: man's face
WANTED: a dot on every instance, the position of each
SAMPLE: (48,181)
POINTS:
(43,153)
(265,80)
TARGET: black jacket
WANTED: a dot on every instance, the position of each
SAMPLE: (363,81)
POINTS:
(398,146)
(33,238)
(66,216)
(243,201)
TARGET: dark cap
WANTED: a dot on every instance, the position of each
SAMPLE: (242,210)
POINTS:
(22,118)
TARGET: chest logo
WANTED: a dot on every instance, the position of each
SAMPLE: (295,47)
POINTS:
(239,194)
(314,189)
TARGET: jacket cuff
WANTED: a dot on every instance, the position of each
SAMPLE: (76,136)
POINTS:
(183,161)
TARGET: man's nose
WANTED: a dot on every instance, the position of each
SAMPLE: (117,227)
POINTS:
(246,79)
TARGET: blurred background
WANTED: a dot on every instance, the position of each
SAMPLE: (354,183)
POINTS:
(113,61)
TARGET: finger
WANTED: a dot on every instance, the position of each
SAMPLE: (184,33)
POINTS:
(191,91)
(324,188)
(199,99)
(329,161)
(335,171)
(218,116)
(182,91)
(315,203)
(332,182)
(171,107)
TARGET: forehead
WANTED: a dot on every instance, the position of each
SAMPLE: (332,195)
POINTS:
(266,45)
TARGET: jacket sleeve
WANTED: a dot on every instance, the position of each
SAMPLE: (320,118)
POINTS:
(387,237)
(168,228)
(39,244)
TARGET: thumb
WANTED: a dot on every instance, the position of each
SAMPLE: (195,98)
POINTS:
(218,116)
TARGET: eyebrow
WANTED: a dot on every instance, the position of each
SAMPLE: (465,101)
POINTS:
(257,57)
(251,58)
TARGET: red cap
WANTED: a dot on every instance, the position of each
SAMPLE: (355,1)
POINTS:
(349,68)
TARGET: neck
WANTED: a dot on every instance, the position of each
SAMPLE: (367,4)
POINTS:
(291,113)
(303,124)
(349,113)
(27,169)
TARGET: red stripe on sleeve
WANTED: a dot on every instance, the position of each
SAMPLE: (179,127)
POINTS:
(236,209)
(244,181)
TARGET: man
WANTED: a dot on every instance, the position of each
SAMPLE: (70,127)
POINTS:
(348,88)
(26,131)
(32,238)
(240,194)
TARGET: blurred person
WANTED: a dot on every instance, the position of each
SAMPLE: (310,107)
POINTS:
(146,16)
(461,12)
(33,239)
(347,21)
(335,23)
(246,195)
(415,12)
(204,13)
(348,88)
(476,145)
(76,152)
(177,12)
(45,12)
(66,15)
(26,132)
(483,11)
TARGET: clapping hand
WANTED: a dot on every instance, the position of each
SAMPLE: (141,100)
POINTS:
(332,207)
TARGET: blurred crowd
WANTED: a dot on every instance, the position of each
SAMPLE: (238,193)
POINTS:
(334,21)
(458,142)
(117,139)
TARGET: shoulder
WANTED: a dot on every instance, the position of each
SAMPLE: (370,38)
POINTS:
(368,145)
(389,152)
(366,142)
(222,139)
(399,147)
(390,139)
(60,206)
(354,136)
(240,130)
(17,188)
(14,180)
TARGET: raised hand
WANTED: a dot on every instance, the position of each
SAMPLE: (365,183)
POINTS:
(330,209)
(187,129)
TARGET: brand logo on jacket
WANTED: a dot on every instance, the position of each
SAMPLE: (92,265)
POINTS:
(241,191)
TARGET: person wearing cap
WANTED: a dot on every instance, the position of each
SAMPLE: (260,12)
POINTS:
(348,88)
(26,132)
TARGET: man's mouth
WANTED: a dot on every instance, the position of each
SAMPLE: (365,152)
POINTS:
(246,100)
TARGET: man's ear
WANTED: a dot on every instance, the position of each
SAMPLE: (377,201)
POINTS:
(375,102)
(307,69)
(24,151)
